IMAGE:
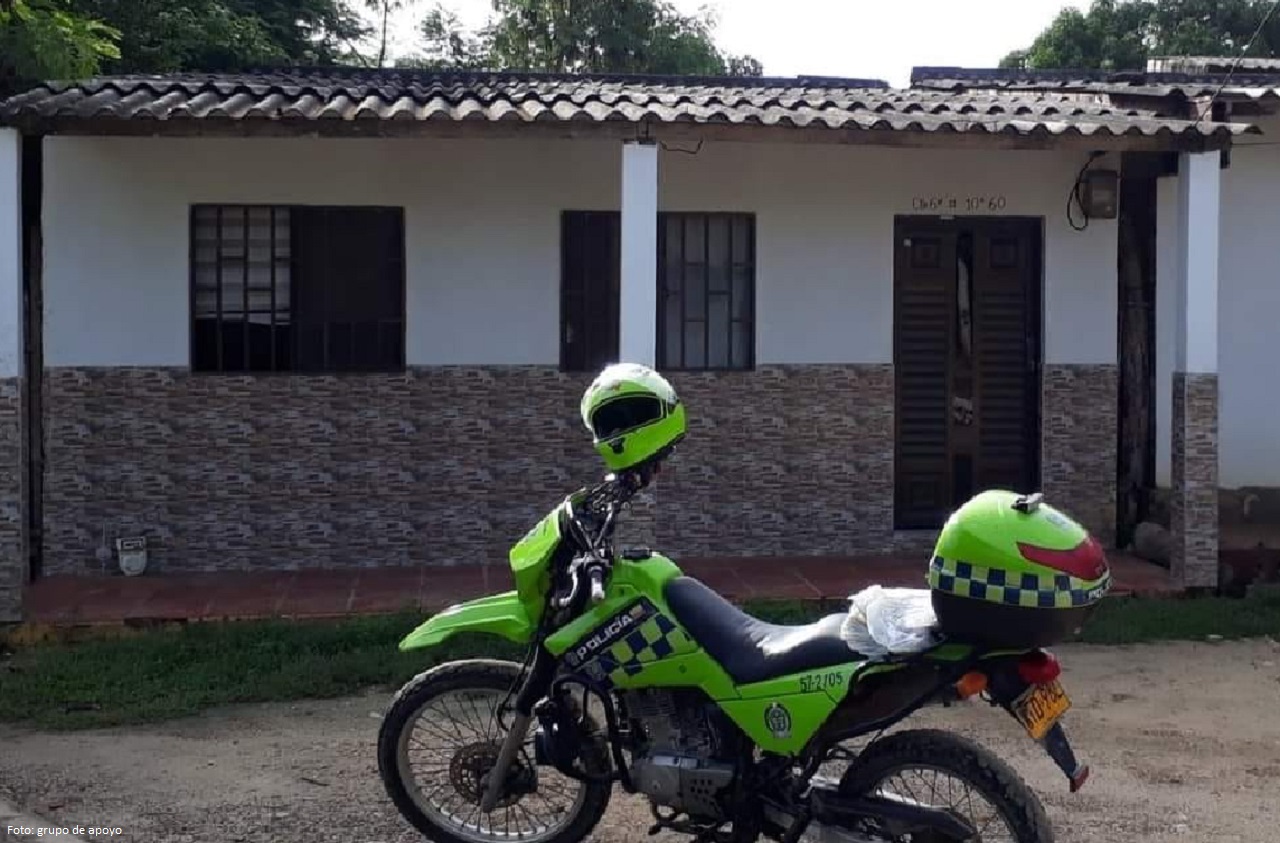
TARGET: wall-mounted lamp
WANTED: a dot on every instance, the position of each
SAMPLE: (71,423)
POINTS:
(1100,194)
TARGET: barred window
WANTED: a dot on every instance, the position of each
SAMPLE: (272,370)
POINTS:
(706,291)
(291,288)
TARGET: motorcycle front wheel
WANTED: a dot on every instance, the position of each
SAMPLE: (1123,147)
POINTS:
(947,771)
(439,740)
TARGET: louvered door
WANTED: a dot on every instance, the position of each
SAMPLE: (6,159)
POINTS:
(924,311)
(1005,329)
(966,342)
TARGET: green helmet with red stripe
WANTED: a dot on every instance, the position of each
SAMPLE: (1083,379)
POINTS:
(634,415)
(1003,541)
(1011,570)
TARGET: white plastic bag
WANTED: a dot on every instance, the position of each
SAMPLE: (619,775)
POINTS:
(889,620)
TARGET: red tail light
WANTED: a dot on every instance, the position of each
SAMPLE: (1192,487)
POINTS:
(1039,668)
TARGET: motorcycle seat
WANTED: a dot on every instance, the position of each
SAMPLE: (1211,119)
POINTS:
(749,649)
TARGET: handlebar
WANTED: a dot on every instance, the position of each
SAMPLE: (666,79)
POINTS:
(596,571)
(591,522)
(567,600)
(597,583)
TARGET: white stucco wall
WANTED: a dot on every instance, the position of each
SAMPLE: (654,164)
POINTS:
(482,235)
(1248,313)
(483,245)
(10,253)
(825,239)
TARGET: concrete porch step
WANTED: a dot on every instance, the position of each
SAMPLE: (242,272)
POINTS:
(75,600)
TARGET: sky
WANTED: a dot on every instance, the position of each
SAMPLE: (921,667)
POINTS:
(867,39)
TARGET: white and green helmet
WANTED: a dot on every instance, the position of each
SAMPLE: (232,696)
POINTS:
(634,415)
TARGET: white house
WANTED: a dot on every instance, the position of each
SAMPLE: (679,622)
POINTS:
(1245,309)
(344,320)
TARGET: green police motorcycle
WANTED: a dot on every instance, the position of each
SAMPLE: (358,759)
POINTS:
(732,728)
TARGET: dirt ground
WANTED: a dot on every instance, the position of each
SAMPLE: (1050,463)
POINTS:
(1182,739)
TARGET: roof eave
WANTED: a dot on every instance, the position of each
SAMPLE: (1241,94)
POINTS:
(876,135)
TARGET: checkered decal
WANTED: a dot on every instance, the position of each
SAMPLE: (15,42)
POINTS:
(1053,591)
(654,639)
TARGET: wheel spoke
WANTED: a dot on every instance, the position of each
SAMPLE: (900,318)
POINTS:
(958,795)
(447,749)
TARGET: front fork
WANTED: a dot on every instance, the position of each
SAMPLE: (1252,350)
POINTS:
(538,683)
(534,688)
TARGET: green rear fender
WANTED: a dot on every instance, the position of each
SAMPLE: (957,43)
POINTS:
(500,614)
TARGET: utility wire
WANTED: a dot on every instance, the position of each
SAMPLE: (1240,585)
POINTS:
(1236,64)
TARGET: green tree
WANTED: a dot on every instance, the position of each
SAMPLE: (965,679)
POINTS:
(42,39)
(582,36)
(745,66)
(1215,28)
(1122,34)
(166,36)
(448,43)
(384,9)
(1110,36)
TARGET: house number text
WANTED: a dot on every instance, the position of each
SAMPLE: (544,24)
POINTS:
(947,202)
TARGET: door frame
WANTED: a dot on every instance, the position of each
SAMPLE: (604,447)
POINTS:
(907,225)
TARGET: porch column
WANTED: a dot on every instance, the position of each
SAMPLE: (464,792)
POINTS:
(638,301)
(638,296)
(13,563)
(1194,440)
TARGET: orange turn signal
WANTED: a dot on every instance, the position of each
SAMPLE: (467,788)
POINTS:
(971,684)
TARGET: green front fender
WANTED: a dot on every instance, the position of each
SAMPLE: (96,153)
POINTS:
(500,614)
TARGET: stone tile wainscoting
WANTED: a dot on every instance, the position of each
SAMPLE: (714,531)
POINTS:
(436,465)
(1193,504)
(1078,463)
(782,461)
(13,557)
(445,465)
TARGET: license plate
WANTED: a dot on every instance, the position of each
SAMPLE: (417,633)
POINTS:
(1041,706)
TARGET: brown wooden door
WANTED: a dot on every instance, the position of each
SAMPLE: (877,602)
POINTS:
(966,345)
(1006,342)
(590,271)
(924,309)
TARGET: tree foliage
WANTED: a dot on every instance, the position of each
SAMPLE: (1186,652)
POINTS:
(163,36)
(448,43)
(1122,34)
(582,36)
(383,10)
(42,39)
(64,39)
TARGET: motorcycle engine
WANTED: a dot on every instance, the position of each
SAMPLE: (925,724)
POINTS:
(679,761)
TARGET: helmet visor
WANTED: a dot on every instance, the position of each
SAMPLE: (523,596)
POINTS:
(625,413)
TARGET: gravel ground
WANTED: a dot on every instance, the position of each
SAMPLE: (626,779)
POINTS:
(1182,739)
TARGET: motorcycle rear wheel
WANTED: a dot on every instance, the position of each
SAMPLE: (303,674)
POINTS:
(959,758)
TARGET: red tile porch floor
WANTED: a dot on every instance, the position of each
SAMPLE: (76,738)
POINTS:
(70,600)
